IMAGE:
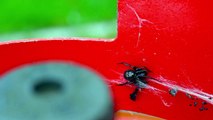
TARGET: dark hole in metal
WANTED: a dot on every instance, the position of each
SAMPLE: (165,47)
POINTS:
(47,87)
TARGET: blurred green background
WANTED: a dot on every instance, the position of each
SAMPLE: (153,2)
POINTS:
(24,19)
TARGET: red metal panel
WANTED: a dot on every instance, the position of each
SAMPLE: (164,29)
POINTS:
(172,38)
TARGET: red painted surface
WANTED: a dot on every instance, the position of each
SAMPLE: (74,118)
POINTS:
(173,38)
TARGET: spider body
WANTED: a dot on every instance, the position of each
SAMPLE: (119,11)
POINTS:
(136,76)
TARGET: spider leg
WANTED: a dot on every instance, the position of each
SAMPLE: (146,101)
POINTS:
(146,69)
(134,94)
(152,78)
(128,65)
(122,84)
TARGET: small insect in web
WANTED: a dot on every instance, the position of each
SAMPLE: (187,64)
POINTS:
(136,76)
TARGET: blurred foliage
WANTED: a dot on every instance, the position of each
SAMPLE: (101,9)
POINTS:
(28,17)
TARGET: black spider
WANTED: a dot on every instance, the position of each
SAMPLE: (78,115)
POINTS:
(136,76)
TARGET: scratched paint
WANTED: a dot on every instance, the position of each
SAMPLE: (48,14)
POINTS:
(141,22)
